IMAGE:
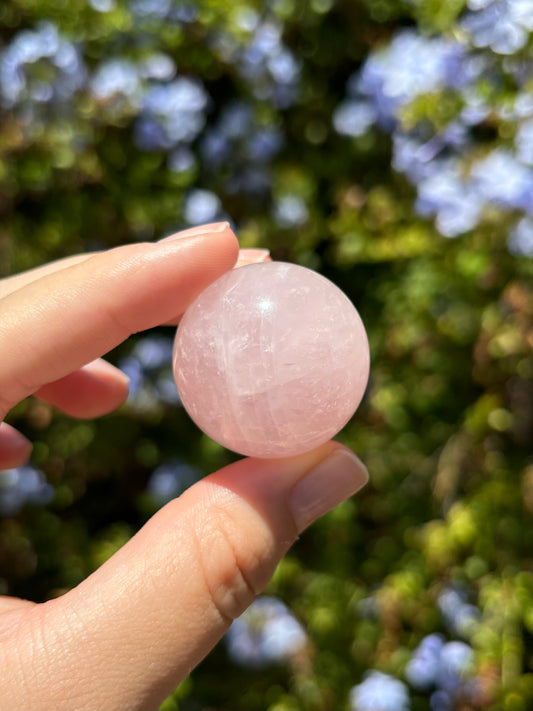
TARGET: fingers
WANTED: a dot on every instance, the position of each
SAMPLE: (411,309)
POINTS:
(15,449)
(10,604)
(58,323)
(153,611)
(15,282)
(99,388)
(94,390)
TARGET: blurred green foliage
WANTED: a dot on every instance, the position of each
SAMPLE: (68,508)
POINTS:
(447,423)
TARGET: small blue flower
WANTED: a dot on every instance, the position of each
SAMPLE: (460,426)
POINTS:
(131,367)
(165,387)
(21,486)
(446,194)
(423,668)
(153,352)
(521,238)
(354,117)
(102,5)
(411,65)
(502,25)
(158,66)
(44,44)
(263,144)
(171,479)
(379,692)
(284,67)
(172,113)
(181,160)
(235,120)
(524,142)
(268,65)
(290,211)
(266,633)
(500,178)
(441,701)
(116,76)
(456,661)
(215,148)
(150,8)
(458,614)
(475,109)
(201,206)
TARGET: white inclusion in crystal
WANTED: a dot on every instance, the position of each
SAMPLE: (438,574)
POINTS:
(265,306)
(283,270)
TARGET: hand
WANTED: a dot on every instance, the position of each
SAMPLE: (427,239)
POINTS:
(126,636)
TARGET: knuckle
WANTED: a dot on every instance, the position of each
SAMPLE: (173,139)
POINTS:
(231,565)
(116,321)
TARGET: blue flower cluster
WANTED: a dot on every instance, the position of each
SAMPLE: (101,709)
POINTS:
(117,77)
(455,186)
(21,486)
(39,67)
(267,633)
(149,368)
(265,62)
(379,692)
(243,147)
(502,25)
(459,615)
(439,668)
(172,113)
(169,111)
(444,668)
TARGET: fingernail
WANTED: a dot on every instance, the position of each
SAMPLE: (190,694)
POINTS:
(212,228)
(334,479)
(252,256)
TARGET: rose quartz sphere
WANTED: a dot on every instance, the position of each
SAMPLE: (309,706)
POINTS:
(271,360)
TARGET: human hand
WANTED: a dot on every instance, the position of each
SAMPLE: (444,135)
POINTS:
(127,635)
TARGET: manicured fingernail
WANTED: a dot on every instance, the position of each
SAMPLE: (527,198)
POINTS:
(213,228)
(334,479)
(252,256)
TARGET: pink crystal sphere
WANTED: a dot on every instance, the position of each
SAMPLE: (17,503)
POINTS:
(271,360)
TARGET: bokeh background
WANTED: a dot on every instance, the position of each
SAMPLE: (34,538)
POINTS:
(388,145)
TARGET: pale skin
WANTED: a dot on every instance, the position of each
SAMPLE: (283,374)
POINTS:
(127,635)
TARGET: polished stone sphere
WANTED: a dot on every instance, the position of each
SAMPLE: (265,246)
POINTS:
(271,360)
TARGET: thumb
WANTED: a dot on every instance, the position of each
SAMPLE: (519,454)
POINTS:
(133,630)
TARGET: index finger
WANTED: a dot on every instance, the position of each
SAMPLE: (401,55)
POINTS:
(16,281)
(66,319)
